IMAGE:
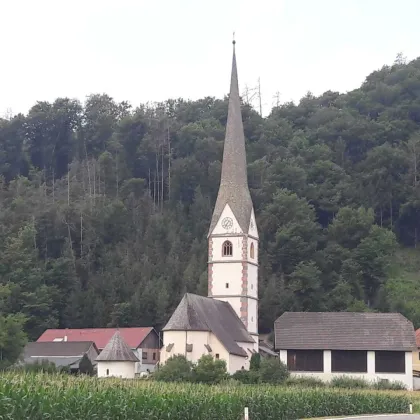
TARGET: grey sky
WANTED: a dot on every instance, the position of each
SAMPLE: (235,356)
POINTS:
(143,51)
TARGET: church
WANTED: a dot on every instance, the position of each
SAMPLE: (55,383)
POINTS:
(224,324)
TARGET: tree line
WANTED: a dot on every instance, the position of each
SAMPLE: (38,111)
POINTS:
(105,208)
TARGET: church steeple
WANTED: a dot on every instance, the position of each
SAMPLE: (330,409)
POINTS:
(233,237)
(233,188)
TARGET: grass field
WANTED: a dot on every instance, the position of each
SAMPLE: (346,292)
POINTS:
(41,396)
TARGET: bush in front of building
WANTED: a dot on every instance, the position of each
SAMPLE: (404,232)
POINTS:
(85,366)
(305,382)
(349,382)
(207,370)
(41,396)
(176,369)
(267,371)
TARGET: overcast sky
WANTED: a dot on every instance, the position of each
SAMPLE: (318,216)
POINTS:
(141,51)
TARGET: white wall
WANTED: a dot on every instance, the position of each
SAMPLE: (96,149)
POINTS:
(253,229)
(223,273)
(116,369)
(198,339)
(406,378)
(218,229)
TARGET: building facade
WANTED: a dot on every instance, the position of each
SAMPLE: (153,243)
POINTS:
(233,234)
(371,346)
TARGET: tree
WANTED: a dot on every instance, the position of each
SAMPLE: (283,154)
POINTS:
(85,365)
(273,371)
(176,369)
(208,370)
(255,362)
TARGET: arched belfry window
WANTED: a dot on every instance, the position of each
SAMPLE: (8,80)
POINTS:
(227,250)
(252,251)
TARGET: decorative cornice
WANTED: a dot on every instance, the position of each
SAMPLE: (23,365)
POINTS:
(235,296)
(233,261)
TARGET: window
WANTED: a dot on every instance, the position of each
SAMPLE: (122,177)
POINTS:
(217,355)
(227,285)
(251,251)
(305,360)
(107,372)
(349,361)
(389,362)
(144,355)
(154,356)
(227,249)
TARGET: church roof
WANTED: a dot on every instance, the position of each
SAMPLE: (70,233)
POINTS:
(233,188)
(117,350)
(199,313)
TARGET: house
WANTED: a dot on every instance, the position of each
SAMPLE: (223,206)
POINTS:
(416,354)
(144,341)
(266,350)
(117,359)
(372,346)
(62,354)
(226,322)
(201,325)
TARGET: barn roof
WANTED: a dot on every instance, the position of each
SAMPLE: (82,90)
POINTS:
(100,336)
(58,349)
(344,331)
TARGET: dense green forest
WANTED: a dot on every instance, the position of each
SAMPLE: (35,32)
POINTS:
(105,209)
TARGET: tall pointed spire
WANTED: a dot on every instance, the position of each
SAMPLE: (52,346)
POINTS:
(234,182)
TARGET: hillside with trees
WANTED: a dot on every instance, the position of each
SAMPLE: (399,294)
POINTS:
(105,208)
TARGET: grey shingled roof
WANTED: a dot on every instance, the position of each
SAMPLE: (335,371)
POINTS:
(233,188)
(199,313)
(344,331)
(117,350)
(57,348)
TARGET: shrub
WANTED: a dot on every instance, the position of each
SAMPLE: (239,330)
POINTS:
(273,371)
(209,370)
(349,382)
(38,366)
(255,362)
(247,376)
(65,397)
(391,385)
(176,369)
(307,382)
(85,366)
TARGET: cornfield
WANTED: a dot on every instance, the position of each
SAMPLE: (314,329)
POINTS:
(61,397)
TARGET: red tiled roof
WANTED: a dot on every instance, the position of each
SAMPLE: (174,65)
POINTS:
(418,338)
(100,336)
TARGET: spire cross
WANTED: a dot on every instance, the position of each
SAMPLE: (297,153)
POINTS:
(233,42)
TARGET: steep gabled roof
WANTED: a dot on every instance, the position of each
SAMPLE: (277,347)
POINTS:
(344,331)
(100,336)
(117,350)
(233,188)
(199,313)
(418,338)
(58,349)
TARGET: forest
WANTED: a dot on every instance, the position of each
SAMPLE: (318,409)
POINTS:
(105,208)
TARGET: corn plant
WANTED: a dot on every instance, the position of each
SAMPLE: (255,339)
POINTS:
(39,396)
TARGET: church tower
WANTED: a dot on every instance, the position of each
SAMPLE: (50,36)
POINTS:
(233,234)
